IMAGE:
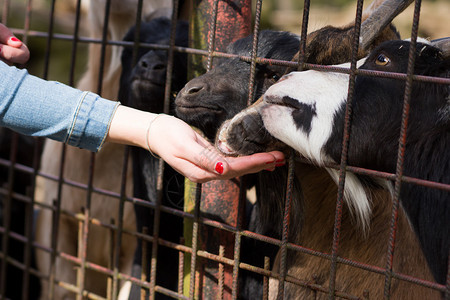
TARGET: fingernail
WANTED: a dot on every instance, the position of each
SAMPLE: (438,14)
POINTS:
(269,162)
(279,165)
(280,160)
(219,167)
(14,39)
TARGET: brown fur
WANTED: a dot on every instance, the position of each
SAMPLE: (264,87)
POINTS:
(107,173)
(368,248)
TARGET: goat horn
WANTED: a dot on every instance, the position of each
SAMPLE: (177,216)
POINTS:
(443,44)
(379,19)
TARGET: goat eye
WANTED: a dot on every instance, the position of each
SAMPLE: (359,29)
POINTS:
(382,60)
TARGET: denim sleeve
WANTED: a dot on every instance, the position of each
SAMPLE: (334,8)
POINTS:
(32,106)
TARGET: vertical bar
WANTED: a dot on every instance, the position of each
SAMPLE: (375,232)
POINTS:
(266,278)
(251,84)
(49,40)
(7,213)
(161,166)
(195,241)
(401,150)
(5,12)
(286,222)
(144,262)
(303,35)
(344,154)
(30,206)
(180,269)
(230,20)
(56,203)
(82,256)
(221,272)
(112,242)
(118,243)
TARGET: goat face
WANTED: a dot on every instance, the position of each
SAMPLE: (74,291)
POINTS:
(208,100)
(305,110)
(148,76)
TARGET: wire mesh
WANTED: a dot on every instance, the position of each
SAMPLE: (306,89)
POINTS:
(192,255)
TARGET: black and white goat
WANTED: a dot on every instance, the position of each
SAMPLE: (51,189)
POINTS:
(305,110)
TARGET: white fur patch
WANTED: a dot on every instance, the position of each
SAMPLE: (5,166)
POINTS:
(327,92)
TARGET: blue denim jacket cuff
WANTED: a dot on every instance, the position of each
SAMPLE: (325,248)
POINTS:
(91,120)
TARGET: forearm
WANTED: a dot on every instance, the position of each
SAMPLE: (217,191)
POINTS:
(32,106)
(129,126)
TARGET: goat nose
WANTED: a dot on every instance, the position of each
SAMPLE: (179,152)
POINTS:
(190,90)
(151,65)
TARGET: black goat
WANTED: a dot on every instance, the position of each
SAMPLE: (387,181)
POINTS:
(306,111)
(142,86)
(208,100)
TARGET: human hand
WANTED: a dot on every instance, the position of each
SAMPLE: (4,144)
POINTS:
(12,50)
(194,157)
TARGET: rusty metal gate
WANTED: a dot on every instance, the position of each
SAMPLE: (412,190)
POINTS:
(213,215)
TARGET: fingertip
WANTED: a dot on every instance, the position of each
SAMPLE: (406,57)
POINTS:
(218,167)
(14,42)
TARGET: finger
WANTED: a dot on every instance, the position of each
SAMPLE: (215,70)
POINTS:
(14,55)
(191,171)
(8,38)
(206,156)
(253,163)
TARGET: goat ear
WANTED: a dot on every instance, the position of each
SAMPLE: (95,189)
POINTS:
(442,44)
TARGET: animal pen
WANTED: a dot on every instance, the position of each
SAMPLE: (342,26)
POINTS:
(214,215)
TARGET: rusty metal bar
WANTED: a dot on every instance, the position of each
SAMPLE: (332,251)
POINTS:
(49,40)
(254,53)
(401,150)
(343,163)
(303,35)
(5,12)
(286,222)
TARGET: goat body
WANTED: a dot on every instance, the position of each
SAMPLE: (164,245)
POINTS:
(305,110)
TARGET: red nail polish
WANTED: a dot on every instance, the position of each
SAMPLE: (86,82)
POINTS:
(280,160)
(279,165)
(269,162)
(14,39)
(219,167)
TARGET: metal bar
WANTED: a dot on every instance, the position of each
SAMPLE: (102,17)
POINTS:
(5,12)
(49,40)
(344,154)
(401,150)
(144,263)
(254,53)
(7,211)
(286,222)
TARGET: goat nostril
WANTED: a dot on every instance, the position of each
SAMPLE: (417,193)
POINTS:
(194,89)
(144,64)
(159,67)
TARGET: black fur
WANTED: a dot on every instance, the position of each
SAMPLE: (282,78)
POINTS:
(377,111)
(210,99)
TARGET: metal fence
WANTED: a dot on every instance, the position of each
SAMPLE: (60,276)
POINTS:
(209,261)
